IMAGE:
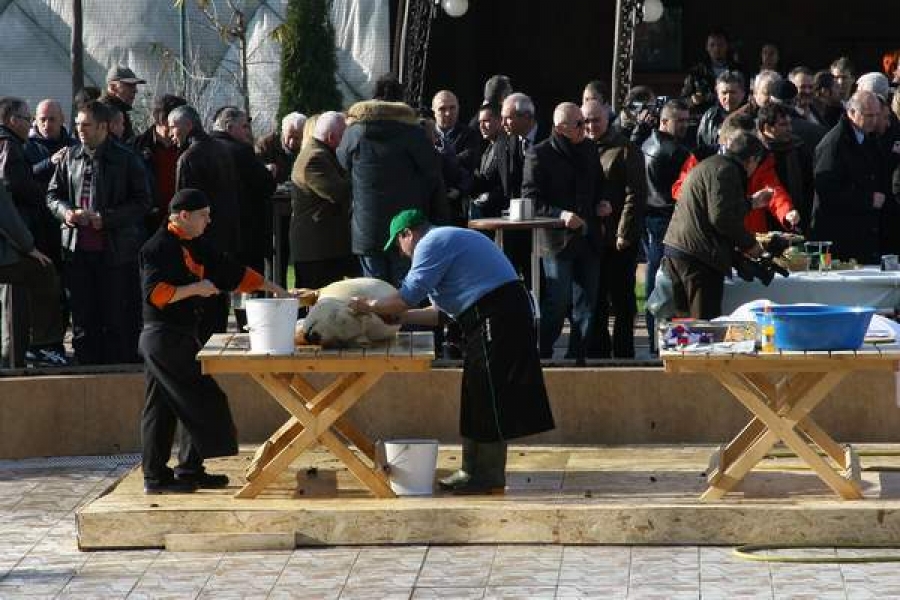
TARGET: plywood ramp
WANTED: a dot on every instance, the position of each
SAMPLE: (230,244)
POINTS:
(556,495)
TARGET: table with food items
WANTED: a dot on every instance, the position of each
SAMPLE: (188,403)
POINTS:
(781,366)
(799,270)
(280,352)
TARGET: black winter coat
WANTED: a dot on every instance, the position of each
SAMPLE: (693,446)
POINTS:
(27,193)
(846,175)
(208,166)
(254,201)
(39,150)
(558,176)
(392,167)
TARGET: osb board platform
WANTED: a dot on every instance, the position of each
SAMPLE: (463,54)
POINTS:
(566,495)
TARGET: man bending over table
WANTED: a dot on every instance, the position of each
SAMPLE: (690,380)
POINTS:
(467,277)
(177,270)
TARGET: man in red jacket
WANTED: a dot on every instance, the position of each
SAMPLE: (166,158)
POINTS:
(768,196)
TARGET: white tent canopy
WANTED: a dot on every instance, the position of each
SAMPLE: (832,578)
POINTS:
(144,35)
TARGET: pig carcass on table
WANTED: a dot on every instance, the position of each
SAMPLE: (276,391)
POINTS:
(331,324)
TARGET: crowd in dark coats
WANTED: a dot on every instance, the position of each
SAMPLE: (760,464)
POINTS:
(833,148)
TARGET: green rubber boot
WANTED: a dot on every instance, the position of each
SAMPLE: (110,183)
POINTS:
(463,475)
(485,471)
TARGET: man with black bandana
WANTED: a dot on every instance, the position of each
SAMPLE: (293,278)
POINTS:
(177,271)
(467,277)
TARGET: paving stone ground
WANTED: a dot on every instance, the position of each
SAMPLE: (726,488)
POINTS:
(39,558)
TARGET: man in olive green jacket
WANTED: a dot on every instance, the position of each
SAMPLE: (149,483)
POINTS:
(320,209)
(708,225)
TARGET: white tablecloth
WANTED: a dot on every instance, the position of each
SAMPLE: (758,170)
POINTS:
(867,286)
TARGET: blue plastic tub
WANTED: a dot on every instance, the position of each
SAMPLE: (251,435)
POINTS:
(800,327)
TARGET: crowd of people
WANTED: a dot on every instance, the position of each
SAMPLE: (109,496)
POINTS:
(682,182)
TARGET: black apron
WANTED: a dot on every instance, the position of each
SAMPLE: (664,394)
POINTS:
(503,392)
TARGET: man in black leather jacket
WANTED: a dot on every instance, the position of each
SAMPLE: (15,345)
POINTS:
(731,95)
(664,155)
(99,193)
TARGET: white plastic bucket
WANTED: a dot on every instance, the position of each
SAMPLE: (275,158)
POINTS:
(412,466)
(271,322)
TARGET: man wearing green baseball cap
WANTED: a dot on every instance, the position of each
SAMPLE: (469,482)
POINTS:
(468,279)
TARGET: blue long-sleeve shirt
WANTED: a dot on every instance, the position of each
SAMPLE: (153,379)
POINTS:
(454,267)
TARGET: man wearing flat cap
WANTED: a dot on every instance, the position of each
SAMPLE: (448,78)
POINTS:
(121,88)
(178,270)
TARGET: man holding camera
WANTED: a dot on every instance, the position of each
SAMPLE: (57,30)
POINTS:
(708,224)
(664,156)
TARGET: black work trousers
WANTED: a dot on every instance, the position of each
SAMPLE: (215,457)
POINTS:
(31,308)
(106,310)
(177,391)
(616,292)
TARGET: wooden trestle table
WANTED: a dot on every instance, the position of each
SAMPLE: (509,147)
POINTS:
(318,416)
(781,390)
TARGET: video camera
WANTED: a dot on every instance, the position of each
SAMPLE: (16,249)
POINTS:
(762,268)
(653,108)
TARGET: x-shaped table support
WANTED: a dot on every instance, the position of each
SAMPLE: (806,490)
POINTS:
(317,416)
(781,412)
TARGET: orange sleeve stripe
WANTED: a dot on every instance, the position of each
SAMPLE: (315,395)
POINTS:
(251,281)
(162,294)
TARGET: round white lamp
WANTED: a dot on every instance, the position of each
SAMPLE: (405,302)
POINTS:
(455,8)
(653,11)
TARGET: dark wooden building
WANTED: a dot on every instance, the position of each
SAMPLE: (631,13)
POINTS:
(550,48)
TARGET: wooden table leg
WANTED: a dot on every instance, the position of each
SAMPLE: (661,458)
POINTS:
(783,427)
(800,393)
(343,425)
(332,402)
(784,391)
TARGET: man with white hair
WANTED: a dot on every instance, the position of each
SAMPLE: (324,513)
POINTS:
(320,209)
(517,115)
(763,84)
(562,176)
(874,82)
(279,149)
(850,183)
(232,129)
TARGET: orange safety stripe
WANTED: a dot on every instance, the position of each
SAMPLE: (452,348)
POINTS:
(177,231)
(162,294)
(251,281)
(193,266)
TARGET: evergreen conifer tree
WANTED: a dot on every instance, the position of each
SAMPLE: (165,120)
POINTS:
(308,62)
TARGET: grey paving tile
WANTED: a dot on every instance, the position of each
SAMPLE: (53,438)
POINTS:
(455,593)
(592,591)
(376,593)
(520,593)
(528,567)
(300,593)
(456,567)
(159,594)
